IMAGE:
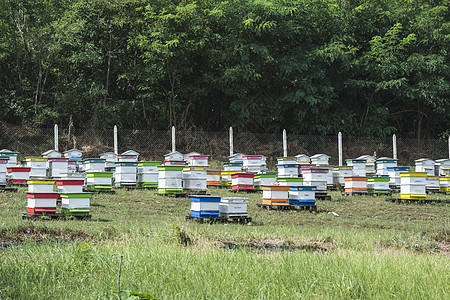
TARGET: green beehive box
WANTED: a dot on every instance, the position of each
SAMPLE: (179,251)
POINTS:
(75,211)
(170,191)
(99,174)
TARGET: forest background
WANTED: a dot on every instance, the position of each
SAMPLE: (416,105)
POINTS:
(365,68)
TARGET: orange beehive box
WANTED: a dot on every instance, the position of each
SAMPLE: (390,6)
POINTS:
(278,202)
(213,183)
(356,190)
(275,188)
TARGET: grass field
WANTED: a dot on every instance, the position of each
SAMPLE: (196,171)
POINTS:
(373,250)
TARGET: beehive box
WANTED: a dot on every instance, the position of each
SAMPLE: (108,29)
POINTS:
(329,176)
(412,185)
(290,181)
(51,154)
(18,175)
(110,158)
(425,165)
(444,184)
(173,156)
(442,167)
(76,201)
(236,158)
(394,174)
(432,183)
(38,203)
(170,179)
(66,186)
(58,167)
(358,165)
(73,154)
(264,179)
(286,161)
(3,170)
(302,159)
(127,158)
(285,170)
(125,173)
(40,186)
(383,163)
(272,191)
(194,178)
(38,166)
(302,195)
(94,165)
(379,185)
(179,163)
(213,178)
(235,166)
(204,206)
(315,174)
(254,163)
(11,155)
(198,160)
(355,184)
(233,206)
(226,177)
(242,181)
(99,180)
(148,173)
(339,173)
(320,159)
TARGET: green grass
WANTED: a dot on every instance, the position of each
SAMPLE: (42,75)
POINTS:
(373,250)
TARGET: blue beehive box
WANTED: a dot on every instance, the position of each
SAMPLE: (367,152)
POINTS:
(302,202)
(204,206)
(303,188)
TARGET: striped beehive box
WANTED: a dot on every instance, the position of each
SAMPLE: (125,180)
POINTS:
(394,175)
(242,181)
(198,160)
(432,184)
(67,186)
(194,178)
(58,167)
(38,166)
(290,181)
(302,195)
(213,177)
(340,172)
(205,206)
(412,185)
(275,195)
(41,203)
(317,177)
(170,179)
(254,164)
(99,181)
(264,179)
(355,185)
(444,184)
(233,207)
(18,175)
(11,155)
(76,203)
(3,170)
(225,177)
(378,184)
(383,163)
(147,173)
(125,174)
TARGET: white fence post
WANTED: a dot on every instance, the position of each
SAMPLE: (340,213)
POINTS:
(116,141)
(231,141)
(340,148)
(394,146)
(284,143)
(56,137)
(173,139)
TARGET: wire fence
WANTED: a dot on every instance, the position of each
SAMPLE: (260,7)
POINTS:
(152,145)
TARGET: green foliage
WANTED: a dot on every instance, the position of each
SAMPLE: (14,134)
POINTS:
(362,67)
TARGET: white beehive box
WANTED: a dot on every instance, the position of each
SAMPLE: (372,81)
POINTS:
(66,186)
(40,186)
(241,179)
(383,163)
(198,160)
(170,183)
(413,185)
(275,194)
(425,165)
(51,154)
(320,159)
(302,193)
(42,200)
(3,168)
(173,156)
(315,174)
(356,184)
(339,173)
(236,158)
(286,170)
(58,167)
(94,165)
(233,206)
(302,159)
(76,201)
(110,158)
(74,154)
(432,183)
(186,156)
(253,160)
(358,165)
(320,185)
(441,167)
(131,152)
(394,174)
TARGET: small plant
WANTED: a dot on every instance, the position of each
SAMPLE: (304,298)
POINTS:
(181,236)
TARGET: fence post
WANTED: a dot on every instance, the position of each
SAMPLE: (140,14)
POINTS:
(394,146)
(231,141)
(56,137)
(173,138)
(116,141)
(284,143)
(340,148)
